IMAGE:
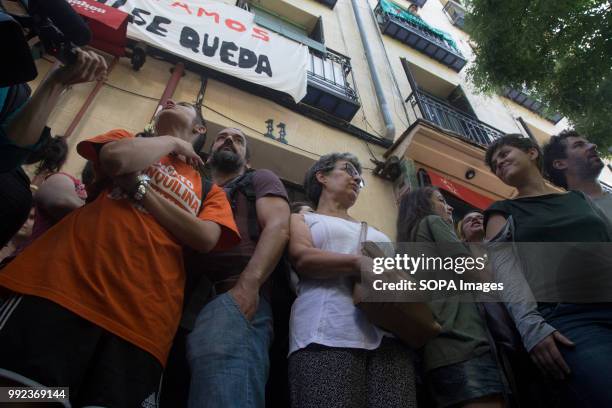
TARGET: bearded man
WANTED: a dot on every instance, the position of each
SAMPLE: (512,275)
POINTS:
(572,162)
(228,348)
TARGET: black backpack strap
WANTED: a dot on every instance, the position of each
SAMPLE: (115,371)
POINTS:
(244,184)
(206,187)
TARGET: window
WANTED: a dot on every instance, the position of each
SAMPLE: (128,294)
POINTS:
(308,31)
(458,100)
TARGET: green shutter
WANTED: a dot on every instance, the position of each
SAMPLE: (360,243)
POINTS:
(285,28)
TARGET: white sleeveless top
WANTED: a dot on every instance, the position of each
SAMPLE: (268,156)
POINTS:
(323,312)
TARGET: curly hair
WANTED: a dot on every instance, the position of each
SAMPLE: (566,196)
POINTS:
(325,164)
(555,149)
(514,140)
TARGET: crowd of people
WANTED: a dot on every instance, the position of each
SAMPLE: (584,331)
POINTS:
(156,279)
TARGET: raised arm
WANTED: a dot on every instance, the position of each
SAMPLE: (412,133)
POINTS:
(136,154)
(316,263)
(25,128)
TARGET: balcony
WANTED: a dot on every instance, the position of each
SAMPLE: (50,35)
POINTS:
(414,32)
(454,120)
(331,87)
(525,100)
(455,12)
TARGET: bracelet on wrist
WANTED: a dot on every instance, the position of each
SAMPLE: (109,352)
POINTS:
(142,187)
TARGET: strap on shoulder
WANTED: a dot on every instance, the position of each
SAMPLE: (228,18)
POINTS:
(206,187)
(242,183)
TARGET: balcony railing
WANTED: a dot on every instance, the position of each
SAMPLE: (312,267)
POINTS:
(450,118)
(414,32)
(331,86)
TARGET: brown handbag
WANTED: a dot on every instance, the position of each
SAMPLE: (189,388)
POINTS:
(411,322)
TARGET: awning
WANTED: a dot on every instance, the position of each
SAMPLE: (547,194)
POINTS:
(463,193)
(108,25)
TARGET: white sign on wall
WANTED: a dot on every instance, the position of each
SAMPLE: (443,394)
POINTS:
(222,37)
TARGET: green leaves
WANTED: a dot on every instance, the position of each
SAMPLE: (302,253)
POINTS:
(560,50)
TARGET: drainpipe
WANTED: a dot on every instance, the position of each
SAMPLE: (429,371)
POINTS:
(531,136)
(380,96)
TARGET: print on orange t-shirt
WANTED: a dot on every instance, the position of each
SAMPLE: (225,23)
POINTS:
(113,264)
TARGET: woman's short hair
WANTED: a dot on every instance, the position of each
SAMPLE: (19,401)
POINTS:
(514,140)
(325,164)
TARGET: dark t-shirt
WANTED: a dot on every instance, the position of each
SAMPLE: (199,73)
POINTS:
(15,203)
(565,251)
(219,266)
(552,218)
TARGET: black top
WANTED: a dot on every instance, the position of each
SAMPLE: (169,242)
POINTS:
(572,258)
(566,217)
(15,203)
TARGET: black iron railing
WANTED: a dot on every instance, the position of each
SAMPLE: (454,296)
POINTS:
(429,35)
(450,118)
(332,71)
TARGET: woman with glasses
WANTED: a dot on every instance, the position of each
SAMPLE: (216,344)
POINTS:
(337,358)
(470,228)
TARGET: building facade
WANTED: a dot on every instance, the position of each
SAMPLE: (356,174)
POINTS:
(383,84)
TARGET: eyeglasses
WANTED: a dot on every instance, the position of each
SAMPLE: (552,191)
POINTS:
(352,171)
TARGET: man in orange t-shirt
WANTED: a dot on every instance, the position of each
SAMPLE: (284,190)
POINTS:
(97,299)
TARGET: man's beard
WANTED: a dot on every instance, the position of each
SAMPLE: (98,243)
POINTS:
(590,170)
(226,161)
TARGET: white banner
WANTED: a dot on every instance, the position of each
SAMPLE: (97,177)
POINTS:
(221,37)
